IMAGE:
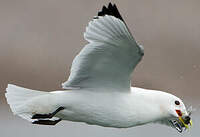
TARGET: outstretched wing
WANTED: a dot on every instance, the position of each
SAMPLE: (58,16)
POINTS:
(109,58)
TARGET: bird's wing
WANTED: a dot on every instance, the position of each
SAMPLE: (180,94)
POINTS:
(109,58)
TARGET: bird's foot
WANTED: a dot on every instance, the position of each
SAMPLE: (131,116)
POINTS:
(50,115)
(46,121)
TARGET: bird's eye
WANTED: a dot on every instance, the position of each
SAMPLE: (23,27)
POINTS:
(177,102)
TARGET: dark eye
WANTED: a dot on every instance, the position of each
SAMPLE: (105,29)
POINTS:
(177,102)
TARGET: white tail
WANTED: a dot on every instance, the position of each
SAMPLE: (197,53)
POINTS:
(17,97)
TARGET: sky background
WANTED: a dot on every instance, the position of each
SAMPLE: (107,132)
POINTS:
(40,38)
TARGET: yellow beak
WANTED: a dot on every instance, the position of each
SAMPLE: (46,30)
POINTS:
(186,126)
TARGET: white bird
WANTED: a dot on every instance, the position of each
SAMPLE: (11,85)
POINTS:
(98,90)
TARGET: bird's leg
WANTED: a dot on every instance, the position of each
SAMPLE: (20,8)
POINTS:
(46,122)
(45,119)
(50,115)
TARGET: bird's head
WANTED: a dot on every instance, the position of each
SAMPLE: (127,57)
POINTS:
(178,116)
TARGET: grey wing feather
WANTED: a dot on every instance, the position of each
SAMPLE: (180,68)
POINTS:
(109,58)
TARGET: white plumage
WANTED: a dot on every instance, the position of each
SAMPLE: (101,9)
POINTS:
(98,90)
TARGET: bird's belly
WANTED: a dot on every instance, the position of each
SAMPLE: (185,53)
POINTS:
(104,109)
(107,116)
(94,118)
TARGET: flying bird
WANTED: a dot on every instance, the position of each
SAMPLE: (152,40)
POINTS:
(98,90)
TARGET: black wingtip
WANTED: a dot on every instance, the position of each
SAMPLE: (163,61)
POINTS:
(110,10)
(110,4)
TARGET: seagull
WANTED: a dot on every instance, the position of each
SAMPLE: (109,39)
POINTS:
(98,90)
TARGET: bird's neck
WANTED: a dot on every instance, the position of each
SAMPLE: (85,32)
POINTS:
(147,105)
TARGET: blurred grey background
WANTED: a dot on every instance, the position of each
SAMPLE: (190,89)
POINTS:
(40,38)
